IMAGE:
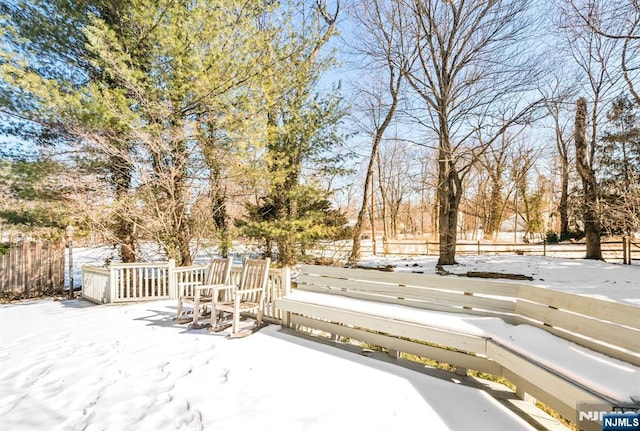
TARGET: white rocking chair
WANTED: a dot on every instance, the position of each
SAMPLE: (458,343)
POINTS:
(248,297)
(201,294)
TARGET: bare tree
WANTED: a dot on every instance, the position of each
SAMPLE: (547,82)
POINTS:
(585,165)
(617,20)
(424,186)
(594,55)
(555,103)
(467,61)
(377,39)
(494,162)
(393,183)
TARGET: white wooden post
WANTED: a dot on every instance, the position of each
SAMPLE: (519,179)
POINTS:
(624,251)
(112,284)
(69,232)
(286,280)
(173,293)
(286,289)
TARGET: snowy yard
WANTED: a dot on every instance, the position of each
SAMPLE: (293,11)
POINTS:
(614,282)
(70,365)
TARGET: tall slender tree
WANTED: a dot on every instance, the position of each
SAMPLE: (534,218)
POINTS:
(585,165)
(468,63)
(376,38)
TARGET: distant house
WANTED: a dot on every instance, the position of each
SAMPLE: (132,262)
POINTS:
(509,222)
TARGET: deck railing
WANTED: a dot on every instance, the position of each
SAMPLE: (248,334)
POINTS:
(132,282)
(95,284)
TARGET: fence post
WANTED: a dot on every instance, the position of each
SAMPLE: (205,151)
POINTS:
(18,271)
(544,246)
(286,280)
(26,267)
(37,257)
(4,271)
(286,289)
(69,232)
(47,283)
(478,247)
(60,248)
(624,250)
(13,281)
(172,279)
(112,284)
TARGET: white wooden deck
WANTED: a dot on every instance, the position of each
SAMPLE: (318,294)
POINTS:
(130,367)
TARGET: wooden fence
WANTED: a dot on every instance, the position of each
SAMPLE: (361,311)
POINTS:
(625,251)
(32,268)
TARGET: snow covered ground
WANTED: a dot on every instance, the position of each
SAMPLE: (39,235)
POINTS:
(70,365)
(615,282)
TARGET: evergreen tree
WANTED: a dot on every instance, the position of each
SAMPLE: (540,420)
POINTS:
(33,197)
(620,163)
(44,59)
(161,87)
(301,129)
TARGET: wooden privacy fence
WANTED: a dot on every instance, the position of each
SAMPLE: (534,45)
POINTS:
(626,250)
(129,282)
(32,268)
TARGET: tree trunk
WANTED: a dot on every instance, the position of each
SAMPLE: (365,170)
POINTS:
(368,182)
(589,184)
(385,204)
(268,248)
(435,218)
(182,222)
(448,230)
(448,212)
(356,252)
(126,238)
(564,200)
(219,208)
(185,251)
(120,176)
(495,208)
(563,208)
(286,253)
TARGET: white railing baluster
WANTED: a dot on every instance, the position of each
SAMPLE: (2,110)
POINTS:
(146,282)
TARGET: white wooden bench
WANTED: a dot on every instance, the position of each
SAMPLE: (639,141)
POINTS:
(568,351)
